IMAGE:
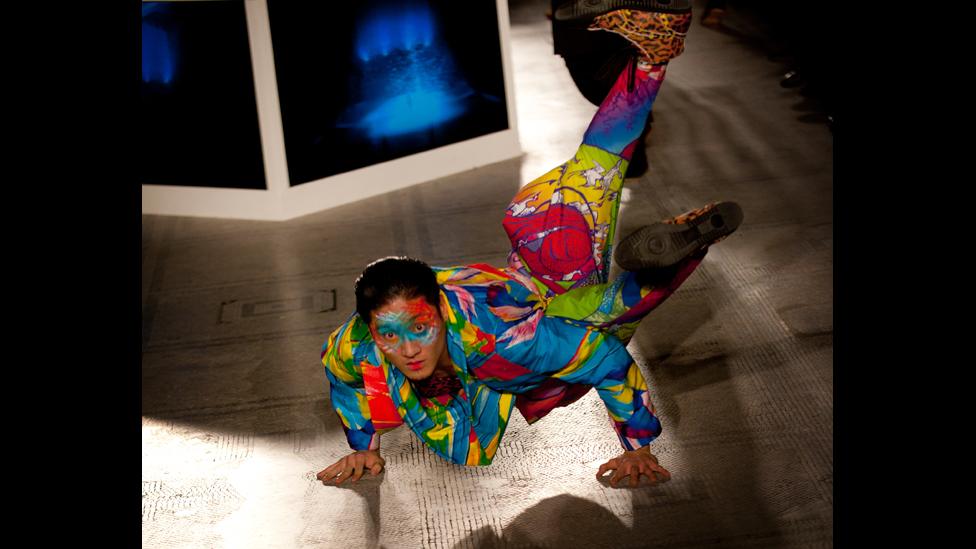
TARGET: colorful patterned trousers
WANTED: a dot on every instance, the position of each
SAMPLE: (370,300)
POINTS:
(562,226)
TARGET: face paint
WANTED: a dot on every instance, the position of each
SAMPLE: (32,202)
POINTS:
(411,335)
(415,324)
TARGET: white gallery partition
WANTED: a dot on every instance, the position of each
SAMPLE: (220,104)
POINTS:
(280,201)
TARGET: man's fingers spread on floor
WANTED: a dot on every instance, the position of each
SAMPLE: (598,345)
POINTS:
(661,471)
(329,473)
(617,475)
(344,475)
(324,477)
(333,470)
(648,471)
(608,466)
(634,476)
(358,472)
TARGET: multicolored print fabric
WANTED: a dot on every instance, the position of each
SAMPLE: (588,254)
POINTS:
(562,224)
(538,333)
(506,352)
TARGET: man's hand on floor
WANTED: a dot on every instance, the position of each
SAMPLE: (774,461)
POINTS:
(353,466)
(634,463)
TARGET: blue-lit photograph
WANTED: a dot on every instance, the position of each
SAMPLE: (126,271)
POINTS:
(160,49)
(381,80)
(198,114)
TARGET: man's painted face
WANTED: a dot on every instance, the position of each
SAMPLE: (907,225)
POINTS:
(410,333)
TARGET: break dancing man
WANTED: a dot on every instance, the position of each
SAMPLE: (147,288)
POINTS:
(451,351)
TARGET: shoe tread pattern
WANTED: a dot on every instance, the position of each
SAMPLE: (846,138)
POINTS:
(664,244)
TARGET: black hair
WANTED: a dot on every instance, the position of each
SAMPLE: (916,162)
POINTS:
(391,277)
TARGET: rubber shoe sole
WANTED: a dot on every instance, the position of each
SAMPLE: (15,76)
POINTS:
(588,9)
(661,245)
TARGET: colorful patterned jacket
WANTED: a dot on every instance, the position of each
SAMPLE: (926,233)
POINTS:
(507,352)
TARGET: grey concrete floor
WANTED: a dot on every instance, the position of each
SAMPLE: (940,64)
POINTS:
(236,417)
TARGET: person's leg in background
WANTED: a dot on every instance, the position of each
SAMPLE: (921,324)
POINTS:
(713,13)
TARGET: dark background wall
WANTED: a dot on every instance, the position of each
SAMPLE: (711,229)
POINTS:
(198,121)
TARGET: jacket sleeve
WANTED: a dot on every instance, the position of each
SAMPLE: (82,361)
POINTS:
(625,394)
(347,390)
(583,355)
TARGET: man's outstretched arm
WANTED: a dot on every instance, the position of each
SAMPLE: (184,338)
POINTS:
(350,405)
(626,396)
(348,395)
(591,357)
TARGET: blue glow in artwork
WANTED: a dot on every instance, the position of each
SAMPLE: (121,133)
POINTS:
(409,83)
(158,48)
(411,112)
(388,29)
(371,81)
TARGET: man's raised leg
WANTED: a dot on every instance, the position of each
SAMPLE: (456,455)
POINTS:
(562,224)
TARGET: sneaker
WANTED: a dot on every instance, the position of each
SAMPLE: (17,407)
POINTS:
(660,37)
(580,10)
(662,245)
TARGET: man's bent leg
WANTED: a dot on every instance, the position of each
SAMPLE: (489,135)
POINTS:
(618,307)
